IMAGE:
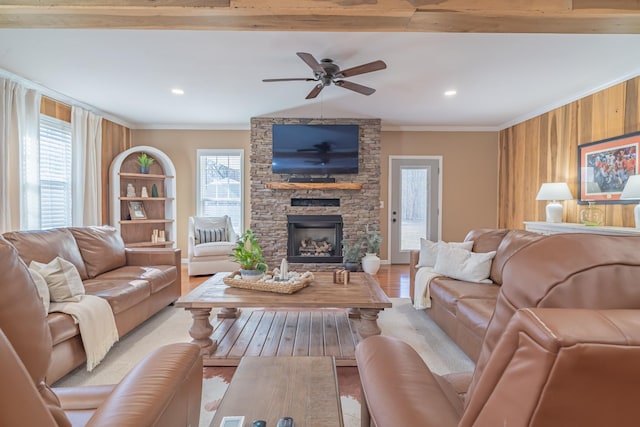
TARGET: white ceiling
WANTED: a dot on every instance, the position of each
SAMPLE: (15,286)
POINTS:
(501,79)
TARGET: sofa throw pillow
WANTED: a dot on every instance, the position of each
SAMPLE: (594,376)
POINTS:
(463,264)
(63,279)
(212,235)
(207,223)
(42,288)
(429,250)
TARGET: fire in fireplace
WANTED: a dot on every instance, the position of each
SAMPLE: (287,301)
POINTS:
(314,238)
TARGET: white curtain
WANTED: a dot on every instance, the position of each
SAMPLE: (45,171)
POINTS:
(19,132)
(86,137)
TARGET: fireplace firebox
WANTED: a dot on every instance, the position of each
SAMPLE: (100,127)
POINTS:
(314,238)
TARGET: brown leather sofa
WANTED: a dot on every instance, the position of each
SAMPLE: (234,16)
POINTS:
(137,282)
(463,309)
(164,389)
(561,348)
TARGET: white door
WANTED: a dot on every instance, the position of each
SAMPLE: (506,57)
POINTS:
(414,195)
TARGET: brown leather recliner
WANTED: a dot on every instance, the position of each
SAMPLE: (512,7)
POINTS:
(162,390)
(560,350)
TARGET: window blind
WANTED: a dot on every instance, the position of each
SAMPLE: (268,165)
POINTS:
(219,189)
(55,172)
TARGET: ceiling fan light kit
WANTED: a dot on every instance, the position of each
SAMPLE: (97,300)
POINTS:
(327,72)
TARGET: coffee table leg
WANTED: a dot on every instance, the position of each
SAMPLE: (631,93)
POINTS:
(201,330)
(369,322)
(353,313)
(228,313)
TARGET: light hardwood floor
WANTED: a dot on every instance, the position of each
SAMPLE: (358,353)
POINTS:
(393,279)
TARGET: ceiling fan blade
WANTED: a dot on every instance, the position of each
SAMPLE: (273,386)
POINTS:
(289,79)
(361,69)
(355,87)
(311,62)
(315,91)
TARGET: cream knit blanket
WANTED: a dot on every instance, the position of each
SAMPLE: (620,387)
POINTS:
(422,297)
(97,325)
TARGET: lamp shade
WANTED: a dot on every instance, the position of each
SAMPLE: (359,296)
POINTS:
(632,188)
(554,191)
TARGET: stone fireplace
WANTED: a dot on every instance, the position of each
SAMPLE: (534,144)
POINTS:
(271,208)
(314,238)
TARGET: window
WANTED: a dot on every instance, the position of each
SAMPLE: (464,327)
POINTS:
(220,185)
(54,170)
(414,208)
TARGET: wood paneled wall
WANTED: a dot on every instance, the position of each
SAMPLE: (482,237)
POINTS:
(115,139)
(545,149)
(52,108)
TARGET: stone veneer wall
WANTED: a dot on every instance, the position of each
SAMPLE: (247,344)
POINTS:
(269,208)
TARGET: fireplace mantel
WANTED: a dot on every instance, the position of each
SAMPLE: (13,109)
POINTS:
(314,185)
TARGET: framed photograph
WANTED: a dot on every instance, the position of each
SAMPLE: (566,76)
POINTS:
(604,168)
(136,210)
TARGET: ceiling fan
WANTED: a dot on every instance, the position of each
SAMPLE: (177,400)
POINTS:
(326,72)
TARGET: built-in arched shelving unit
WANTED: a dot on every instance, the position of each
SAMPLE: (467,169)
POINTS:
(160,211)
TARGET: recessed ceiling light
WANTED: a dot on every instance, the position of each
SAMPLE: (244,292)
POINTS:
(177,91)
(450,93)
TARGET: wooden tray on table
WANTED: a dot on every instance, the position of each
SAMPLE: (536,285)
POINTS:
(270,285)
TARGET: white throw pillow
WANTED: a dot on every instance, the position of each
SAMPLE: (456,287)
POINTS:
(63,279)
(462,264)
(43,289)
(429,251)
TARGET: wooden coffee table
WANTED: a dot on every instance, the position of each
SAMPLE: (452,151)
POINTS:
(305,330)
(268,388)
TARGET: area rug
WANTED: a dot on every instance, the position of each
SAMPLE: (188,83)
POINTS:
(172,324)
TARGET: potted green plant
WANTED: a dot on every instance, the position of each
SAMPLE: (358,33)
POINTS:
(248,254)
(373,239)
(144,161)
(371,261)
(351,253)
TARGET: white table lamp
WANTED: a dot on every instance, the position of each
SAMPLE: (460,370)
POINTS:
(632,191)
(554,191)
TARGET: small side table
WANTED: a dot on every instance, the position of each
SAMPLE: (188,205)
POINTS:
(548,228)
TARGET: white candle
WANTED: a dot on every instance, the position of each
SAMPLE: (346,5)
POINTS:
(284,269)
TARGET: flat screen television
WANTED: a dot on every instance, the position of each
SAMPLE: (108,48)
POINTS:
(315,149)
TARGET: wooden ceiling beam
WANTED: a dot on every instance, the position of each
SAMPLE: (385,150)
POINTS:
(523,23)
(494,16)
